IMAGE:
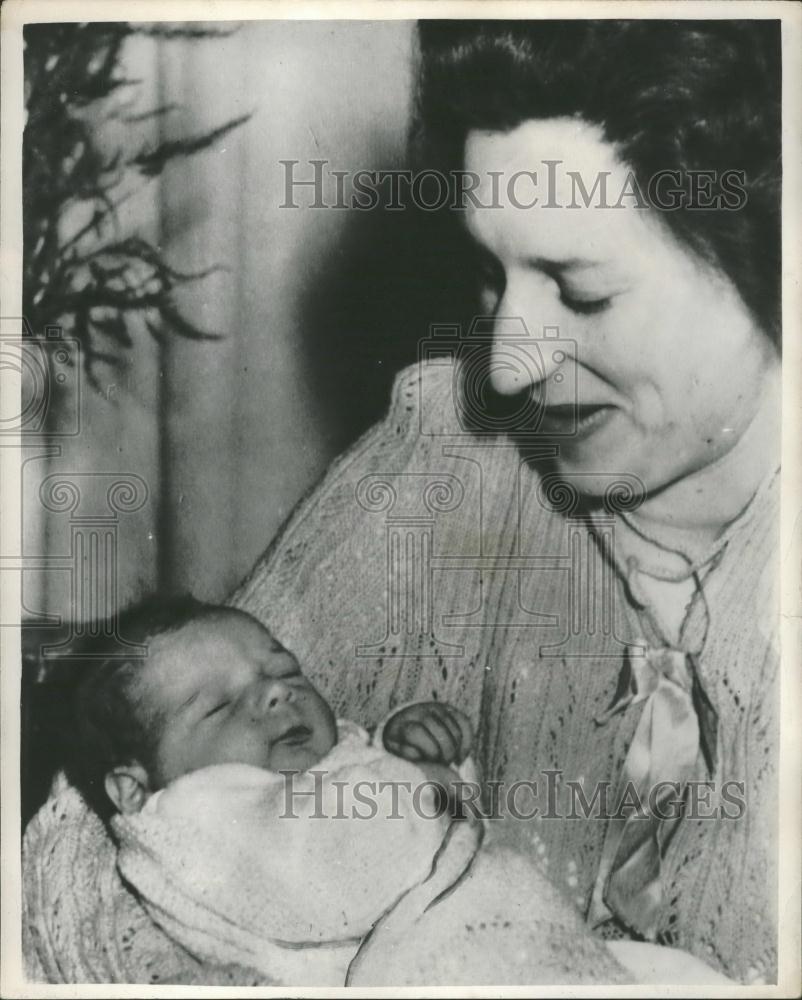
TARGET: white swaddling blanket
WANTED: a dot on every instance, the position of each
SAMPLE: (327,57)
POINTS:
(345,877)
(287,877)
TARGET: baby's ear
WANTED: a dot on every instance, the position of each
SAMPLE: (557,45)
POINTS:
(128,787)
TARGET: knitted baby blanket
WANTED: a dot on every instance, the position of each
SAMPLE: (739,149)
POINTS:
(314,901)
(492,630)
(500,922)
(287,877)
(81,923)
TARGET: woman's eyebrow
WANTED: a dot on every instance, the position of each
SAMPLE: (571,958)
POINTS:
(549,265)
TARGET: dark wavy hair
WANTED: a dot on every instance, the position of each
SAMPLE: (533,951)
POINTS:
(111,724)
(670,95)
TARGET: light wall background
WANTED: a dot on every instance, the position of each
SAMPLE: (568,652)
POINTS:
(317,310)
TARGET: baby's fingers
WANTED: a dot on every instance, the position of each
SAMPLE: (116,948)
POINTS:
(396,741)
(421,741)
(445,735)
(444,715)
(393,739)
(465,741)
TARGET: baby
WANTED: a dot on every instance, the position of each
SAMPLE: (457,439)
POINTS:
(237,801)
(217,688)
(226,777)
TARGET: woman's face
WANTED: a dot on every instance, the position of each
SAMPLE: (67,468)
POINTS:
(664,366)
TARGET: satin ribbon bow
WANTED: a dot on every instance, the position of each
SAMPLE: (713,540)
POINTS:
(675,733)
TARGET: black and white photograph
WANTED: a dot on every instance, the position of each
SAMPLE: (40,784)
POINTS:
(401,550)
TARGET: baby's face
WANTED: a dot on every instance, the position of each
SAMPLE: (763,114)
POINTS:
(224,691)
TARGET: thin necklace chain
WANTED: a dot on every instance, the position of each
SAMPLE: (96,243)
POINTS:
(648,614)
(692,566)
(716,547)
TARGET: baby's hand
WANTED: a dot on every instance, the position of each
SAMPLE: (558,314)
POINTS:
(429,731)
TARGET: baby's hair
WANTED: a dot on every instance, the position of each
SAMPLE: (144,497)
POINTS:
(112,726)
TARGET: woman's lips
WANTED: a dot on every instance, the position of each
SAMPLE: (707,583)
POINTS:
(574,420)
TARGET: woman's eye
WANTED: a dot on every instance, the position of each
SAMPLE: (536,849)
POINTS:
(217,708)
(585,306)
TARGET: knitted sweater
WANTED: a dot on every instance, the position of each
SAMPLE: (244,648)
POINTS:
(432,562)
(317,884)
(438,563)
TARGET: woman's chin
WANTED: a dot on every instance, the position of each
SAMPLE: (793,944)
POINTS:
(598,462)
(607,449)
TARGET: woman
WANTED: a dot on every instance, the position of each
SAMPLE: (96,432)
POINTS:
(574,540)
(665,381)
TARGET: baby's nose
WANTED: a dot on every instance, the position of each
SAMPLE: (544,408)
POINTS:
(270,695)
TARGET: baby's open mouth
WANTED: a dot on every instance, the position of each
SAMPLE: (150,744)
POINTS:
(294,736)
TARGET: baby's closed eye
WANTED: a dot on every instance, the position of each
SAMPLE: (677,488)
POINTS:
(216,708)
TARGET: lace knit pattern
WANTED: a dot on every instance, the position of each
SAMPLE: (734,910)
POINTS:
(505,645)
(504,629)
(81,924)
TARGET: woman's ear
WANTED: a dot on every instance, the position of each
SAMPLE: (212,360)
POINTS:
(127,786)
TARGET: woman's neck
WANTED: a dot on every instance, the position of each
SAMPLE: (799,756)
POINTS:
(706,501)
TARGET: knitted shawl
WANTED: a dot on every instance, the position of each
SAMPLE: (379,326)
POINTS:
(435,562)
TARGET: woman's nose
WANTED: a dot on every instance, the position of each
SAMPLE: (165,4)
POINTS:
(520,358)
